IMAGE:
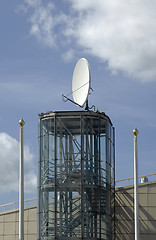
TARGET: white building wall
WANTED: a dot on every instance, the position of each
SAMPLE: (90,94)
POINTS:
(124,216)
(9,224)
(125,212)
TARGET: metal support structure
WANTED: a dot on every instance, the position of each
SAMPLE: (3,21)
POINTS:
(136,195)
(113,190)
(82,177)
(46,171)
(72,147)
(55,178)
(21,184)
(39,196)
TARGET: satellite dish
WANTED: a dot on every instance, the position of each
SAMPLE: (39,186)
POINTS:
(81,82)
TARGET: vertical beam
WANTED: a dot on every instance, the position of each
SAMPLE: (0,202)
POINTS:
(82,177)
(113,232)
(108,178)
(21,184)
(46,172)
(70,171)
(110,181)
(66,175)
(136,195)
(60,174)
(39,187)
(87,173)
(100,182)
(96,179)
(55,178)
(91,169)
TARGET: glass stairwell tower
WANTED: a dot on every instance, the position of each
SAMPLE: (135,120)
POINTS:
(76,174)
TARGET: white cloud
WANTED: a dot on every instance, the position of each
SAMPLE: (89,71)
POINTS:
(43,24)
(68,56)
(33,3)
(44,21)
(9,170)
(121,33)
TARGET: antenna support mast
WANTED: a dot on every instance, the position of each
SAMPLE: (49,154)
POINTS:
(136,195)
(21,184)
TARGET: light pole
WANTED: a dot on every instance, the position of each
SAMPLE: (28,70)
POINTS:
(136,195)
(21,184)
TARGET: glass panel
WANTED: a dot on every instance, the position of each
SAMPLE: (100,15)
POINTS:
(77,172)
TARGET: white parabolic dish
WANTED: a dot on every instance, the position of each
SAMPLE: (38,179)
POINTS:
(81,82)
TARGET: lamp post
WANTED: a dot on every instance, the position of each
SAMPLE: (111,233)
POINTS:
(136,195)
(21,184)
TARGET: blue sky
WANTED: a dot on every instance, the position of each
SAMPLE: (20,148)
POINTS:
(40,43)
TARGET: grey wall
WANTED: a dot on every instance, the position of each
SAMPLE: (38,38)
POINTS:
(9,224)
(124,216)
(125,212)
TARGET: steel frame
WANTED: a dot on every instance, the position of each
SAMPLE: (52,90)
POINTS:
(76,176)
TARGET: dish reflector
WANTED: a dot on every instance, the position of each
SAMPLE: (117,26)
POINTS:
(81,82)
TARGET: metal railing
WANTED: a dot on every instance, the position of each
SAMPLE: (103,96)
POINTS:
(130,181)
(15,205)
(33,201)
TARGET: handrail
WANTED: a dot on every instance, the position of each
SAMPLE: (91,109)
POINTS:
(27,201)
(128,179)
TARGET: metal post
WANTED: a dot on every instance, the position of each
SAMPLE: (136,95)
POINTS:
(39,196)
(82,177)
(55,178)
(136,196)
(21,184)
(46,192)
